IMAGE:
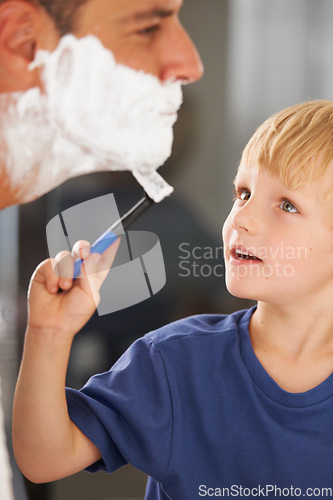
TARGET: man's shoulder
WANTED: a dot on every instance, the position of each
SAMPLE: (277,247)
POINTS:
(201,325)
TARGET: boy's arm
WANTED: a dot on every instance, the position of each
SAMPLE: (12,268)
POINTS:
(47,444)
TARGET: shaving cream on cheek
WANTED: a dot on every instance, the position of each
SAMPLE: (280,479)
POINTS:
(121,116)
(25,143)
(34,156)
(93,115)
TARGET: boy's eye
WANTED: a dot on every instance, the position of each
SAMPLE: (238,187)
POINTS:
(242,194)
(287,206)
(245,195)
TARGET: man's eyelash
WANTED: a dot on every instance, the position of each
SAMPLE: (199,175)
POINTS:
(150,30)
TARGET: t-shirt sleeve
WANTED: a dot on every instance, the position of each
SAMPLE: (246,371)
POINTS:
(127,412)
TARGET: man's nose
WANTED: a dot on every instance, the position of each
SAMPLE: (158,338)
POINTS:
(182,62)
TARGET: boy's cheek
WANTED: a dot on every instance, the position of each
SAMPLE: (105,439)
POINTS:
(224,235)
(226,231)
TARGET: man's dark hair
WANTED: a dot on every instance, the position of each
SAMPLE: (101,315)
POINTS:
(62,11)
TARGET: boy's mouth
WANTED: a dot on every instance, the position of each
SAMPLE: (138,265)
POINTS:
(241,253)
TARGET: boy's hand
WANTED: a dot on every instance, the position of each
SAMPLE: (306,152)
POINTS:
(47,444)
(68,311)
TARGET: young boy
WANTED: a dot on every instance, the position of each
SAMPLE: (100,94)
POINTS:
(212,405)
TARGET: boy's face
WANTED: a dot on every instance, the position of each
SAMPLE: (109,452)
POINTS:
(278,244)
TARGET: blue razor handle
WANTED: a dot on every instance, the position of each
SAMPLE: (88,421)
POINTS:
(100,245)
(111,234)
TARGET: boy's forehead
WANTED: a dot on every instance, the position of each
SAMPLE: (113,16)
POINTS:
(253,173)
(245,170)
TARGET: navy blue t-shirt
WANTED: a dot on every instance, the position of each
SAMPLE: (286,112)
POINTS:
(191,406)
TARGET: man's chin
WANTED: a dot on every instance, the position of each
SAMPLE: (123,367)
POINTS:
(8,197)
(16,194)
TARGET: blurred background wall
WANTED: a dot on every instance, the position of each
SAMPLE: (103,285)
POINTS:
(260,56)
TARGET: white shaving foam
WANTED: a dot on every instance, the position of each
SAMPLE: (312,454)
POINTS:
(93,115)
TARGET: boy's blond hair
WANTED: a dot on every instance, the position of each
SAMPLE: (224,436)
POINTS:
(296,144)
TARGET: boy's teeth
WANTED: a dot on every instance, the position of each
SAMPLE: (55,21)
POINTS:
(243,254)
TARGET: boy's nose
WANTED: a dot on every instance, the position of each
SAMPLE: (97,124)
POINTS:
(245,219)
(182,61)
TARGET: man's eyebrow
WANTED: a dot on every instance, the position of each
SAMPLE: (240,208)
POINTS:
(146,15)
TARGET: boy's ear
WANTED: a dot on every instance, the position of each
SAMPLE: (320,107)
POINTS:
(19,22)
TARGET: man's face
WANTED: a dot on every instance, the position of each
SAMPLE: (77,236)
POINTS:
(132,75)
(145,35)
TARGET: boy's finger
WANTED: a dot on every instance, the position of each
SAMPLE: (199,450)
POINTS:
(107,258)
(81,249)
(96,268)
(64,268)
(44,274)
(51,279)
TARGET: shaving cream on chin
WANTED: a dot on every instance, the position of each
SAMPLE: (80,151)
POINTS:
(120,116)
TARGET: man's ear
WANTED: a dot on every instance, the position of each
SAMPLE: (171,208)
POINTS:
(19,22)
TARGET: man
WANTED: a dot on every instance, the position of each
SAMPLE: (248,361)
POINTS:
(145,35)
